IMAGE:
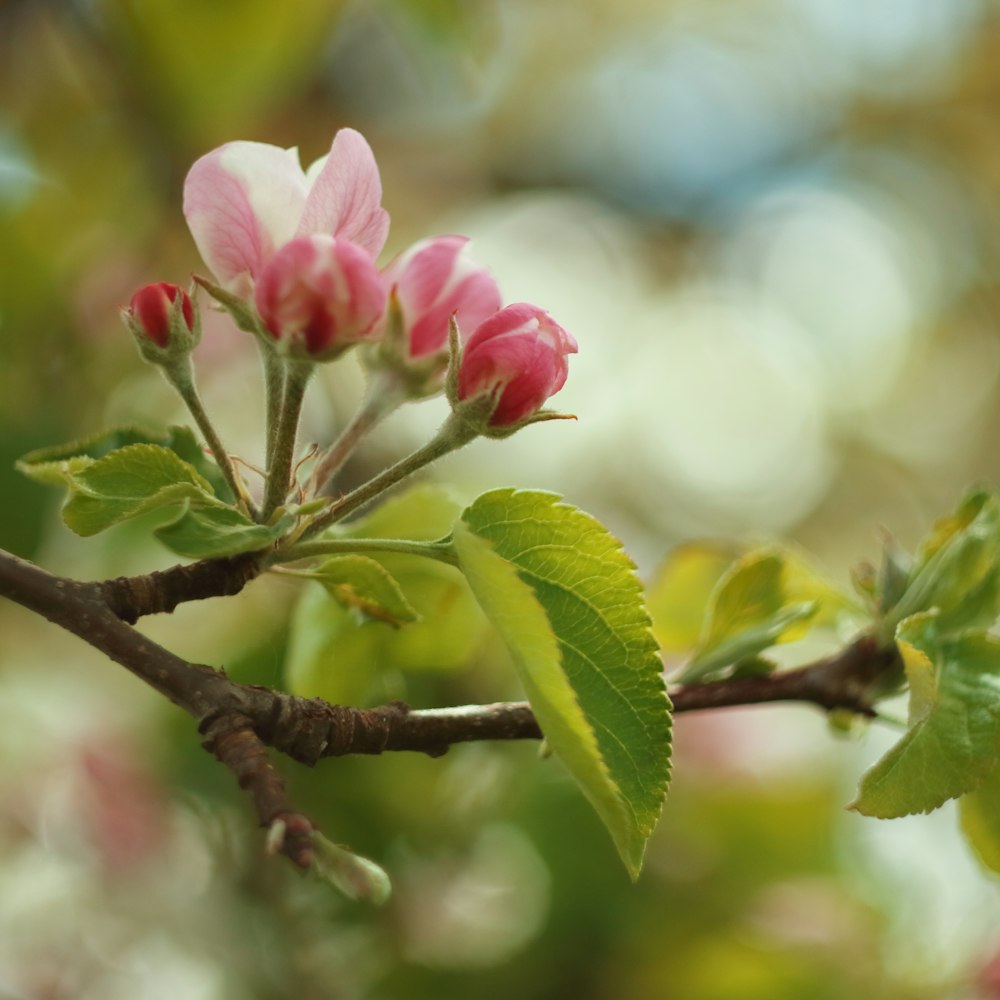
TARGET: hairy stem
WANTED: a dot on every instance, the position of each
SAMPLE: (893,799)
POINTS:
(274,394)
(442,551)
(279,469)
(181,377)
(383,395)
(454,434)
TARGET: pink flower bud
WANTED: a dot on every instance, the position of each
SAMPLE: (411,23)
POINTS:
(519,355)
(435,279)
(149,311)
(320,295)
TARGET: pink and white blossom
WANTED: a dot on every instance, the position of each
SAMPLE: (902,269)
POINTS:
(319,295)
(245,200)
(435,279)
(519,356)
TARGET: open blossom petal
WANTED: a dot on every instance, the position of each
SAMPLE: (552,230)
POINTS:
(242,202)
(346,196)
(434,280)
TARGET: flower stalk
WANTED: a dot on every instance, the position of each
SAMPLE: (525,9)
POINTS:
(279,469)
(180,374)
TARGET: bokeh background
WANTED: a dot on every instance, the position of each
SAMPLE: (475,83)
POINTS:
(771,224)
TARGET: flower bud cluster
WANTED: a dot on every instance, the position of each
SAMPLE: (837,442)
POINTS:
(294,256)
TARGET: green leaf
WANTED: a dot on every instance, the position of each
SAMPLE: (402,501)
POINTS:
(128,482)
(679,594)
(46,465)
(954,722)
(334,654)
(338,655)
(566,600)
(749,611)
(423,513)
(979,812)
(956,568)
(211,532)
(727,603)
(360,583)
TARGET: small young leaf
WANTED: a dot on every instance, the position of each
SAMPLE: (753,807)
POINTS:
(566,600)
(679,594)
(128,482)
(954,722)
(953,567)
(361,583)
(749,611)
(211,532)
(727,603)
(356,877)
(45,465)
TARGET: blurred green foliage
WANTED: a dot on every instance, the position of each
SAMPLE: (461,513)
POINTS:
(669,183)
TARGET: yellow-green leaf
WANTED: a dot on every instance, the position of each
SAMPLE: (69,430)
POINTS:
(565,598)
(953,738)
(979,811)
(679,594)
(363,584)
(212,532)
(128,482)
(956,569)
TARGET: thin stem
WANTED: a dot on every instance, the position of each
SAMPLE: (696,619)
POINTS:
(279,469)
(274,394)
(454,434)
(181,377)
(442,551)
(383,395)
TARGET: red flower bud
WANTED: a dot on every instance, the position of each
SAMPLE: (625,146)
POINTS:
(519,355)
(320,295)
(150,307)
(434,280)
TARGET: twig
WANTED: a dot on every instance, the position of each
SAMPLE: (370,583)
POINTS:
(239,720)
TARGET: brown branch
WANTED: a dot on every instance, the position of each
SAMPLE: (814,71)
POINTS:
(844,680)
(238,721)
(132,597)
(232,740)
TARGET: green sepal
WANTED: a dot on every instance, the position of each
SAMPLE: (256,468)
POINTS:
(241,309)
